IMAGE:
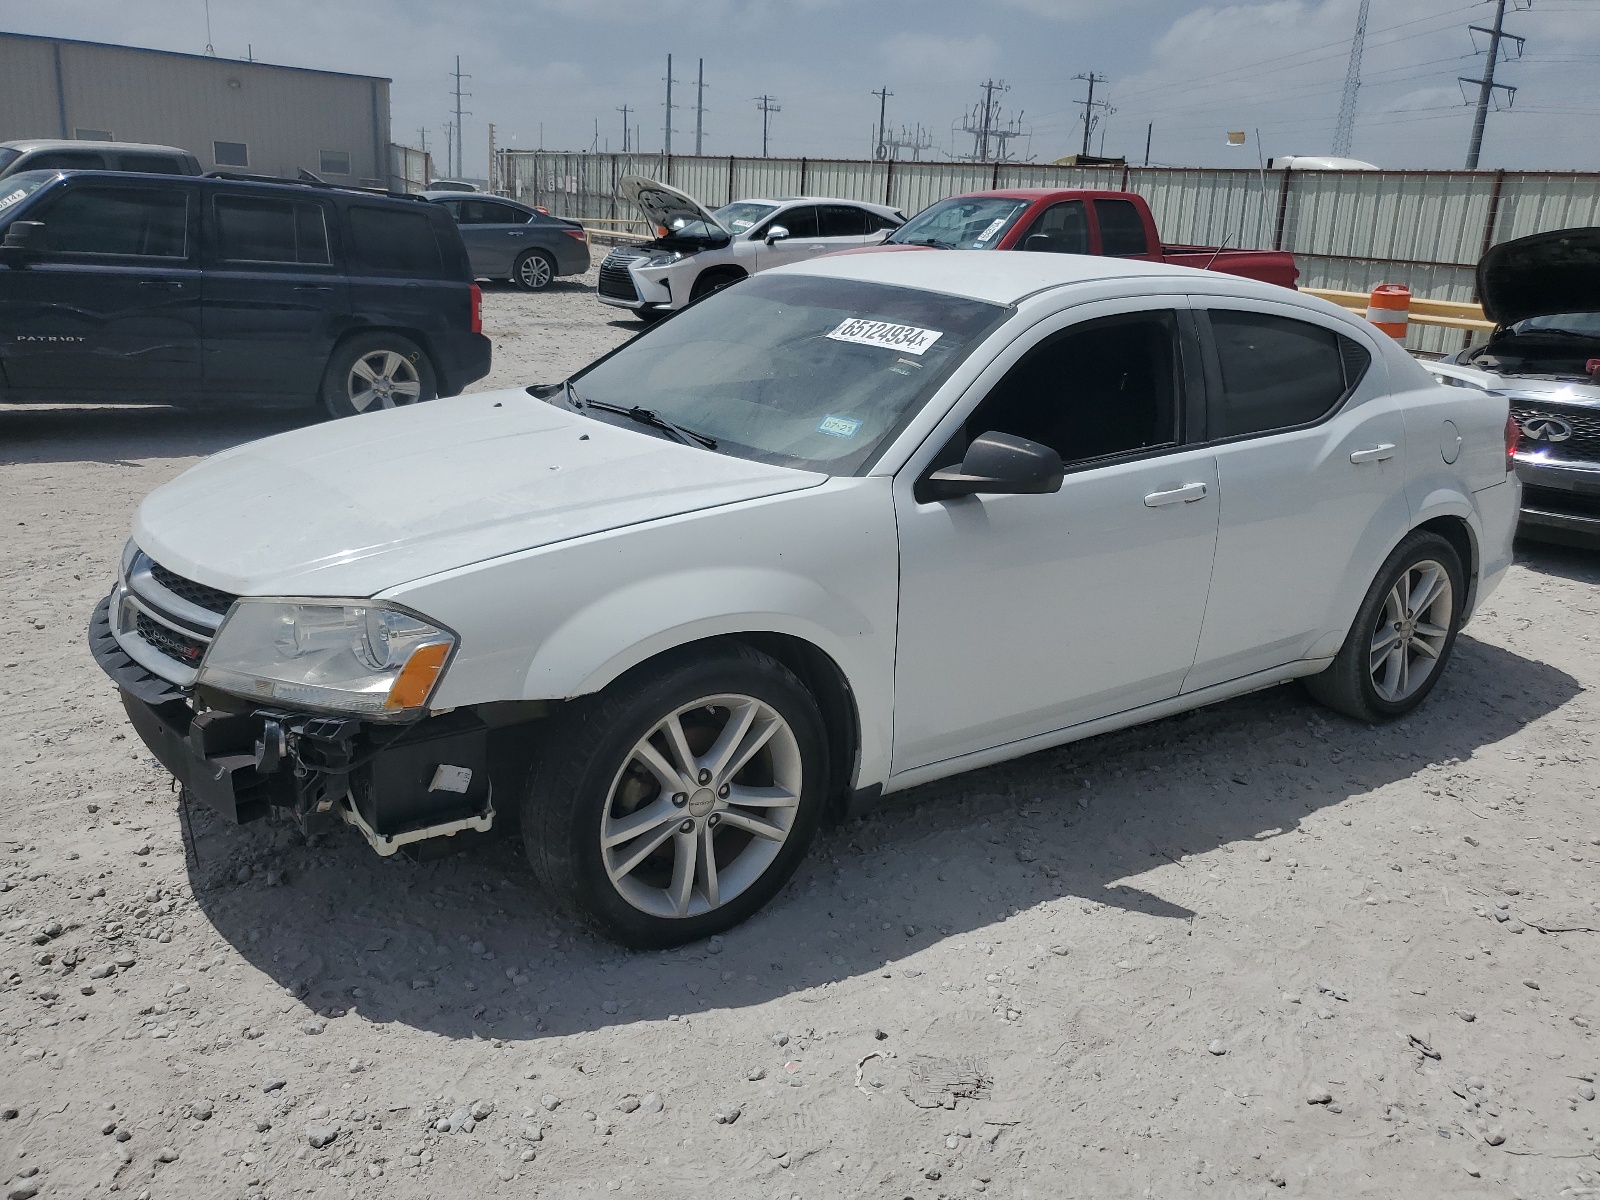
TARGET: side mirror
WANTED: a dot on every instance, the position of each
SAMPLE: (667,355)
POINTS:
(23,240)
(776,233)
(997,464)
(1036,241)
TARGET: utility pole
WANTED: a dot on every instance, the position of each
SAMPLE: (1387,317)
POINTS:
(1149,132)
(1345,129)
(1487,85)
(1089,119)
(880,148)
(768,105)
(625,110)
(699,106)
(666,146)
(424,132)
(449,141)
(491,157)
(459,114)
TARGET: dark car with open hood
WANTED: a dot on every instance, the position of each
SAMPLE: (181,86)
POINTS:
(1543,294)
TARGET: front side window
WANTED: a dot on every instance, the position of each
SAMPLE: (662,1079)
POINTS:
(386,241)
(841,220)
(800,221)
(230,154)
(1121,228)
(1279,373)
(142,222)
(67,160)
(1091,392)
(1060,229)
(335,162)
(270,231)
(962,223)
(799,371)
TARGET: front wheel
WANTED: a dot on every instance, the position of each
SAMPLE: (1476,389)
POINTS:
(534,271)
(377,370)
(1402,636)
(677,802)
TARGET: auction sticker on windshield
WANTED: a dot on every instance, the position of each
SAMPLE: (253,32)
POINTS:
(906,338)
(8,201)
(994,228)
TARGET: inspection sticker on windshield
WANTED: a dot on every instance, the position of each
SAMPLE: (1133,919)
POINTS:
(839,427)
(907,338)
(994,228)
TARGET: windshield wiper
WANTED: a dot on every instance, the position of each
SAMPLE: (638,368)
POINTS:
(927,242)
(645,416)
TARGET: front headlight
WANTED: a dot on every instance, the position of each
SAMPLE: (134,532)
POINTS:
(361,657)
(664,258)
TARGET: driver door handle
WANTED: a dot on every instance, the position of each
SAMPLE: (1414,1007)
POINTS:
(517,233)
(1373,453)
(1187,494)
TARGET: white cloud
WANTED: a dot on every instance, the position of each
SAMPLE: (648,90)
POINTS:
(933,58)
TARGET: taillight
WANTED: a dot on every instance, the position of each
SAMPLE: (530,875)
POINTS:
(1592,369)
(477,309)
(581,235)
(1513,439)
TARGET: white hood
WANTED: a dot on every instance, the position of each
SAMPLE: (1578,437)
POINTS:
(357,506)
(660,202)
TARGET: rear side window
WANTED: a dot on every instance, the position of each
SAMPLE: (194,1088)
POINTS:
(841,220)
(255,230)
(146,222)
(487,212)
(152,164)
(1121,228)
(389,241)
(67,160)
(1278,373)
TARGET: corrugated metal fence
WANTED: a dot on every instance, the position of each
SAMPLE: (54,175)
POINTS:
(1348,230)
(410,169)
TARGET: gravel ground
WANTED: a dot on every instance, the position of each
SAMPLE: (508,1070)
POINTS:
(1256,950)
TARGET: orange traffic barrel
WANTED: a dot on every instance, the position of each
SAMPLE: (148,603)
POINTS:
(1389,308)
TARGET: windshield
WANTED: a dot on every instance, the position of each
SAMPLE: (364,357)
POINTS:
(961,223)
(14,189)
(794,370)
(1586,324)
(742,215)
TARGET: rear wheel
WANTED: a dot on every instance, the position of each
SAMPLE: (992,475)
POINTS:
(1402,636)
(678,801)
(534,271)
(377,370)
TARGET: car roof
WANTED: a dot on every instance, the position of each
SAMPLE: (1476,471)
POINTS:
(295,186)
(27,145)
(879,208)
(1001,277)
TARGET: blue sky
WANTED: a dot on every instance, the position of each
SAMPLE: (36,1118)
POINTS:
(1194,70)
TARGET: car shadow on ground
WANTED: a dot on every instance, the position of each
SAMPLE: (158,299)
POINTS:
(468,946)
(572,284)
(123,435)
(1579,564)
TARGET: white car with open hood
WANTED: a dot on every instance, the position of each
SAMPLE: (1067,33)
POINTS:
(842,528)
(695,251)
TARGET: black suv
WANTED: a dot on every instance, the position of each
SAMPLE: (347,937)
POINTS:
(221,291)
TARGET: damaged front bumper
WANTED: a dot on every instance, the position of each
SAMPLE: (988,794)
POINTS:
(396,784)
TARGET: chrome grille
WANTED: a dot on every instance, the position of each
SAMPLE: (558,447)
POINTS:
(208,598)
(1585,422)
(163,621)
(615,279)
(187,650)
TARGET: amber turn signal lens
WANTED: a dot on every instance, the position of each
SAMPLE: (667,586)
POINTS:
(417,677)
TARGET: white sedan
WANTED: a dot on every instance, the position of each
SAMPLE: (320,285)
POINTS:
(843,528)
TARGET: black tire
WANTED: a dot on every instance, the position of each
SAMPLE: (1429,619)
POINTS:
(1350,685)
(713,280)
(412,375)
(533,271)
(582,780)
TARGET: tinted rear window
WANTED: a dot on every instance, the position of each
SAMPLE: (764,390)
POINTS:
(250,229)
(391,241)
(68,160)
(1121,228)
(153,164)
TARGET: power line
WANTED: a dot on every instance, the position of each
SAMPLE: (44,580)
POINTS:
(768,105)
(1487,85)
(1344,131)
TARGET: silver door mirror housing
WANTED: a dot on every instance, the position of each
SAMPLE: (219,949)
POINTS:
(776,233)
(997,464)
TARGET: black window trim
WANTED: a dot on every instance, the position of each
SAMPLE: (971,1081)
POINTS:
(213,236)
(1214,391)
(1189,381)
(191,240)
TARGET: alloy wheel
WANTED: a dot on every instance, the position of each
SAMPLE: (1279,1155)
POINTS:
(701,806)
(1412,630)
(534,271)
(383,379)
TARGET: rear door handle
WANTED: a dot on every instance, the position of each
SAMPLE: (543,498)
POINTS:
(516,233)
(1187,494)
(161,283)
(312,287)
(1373,453)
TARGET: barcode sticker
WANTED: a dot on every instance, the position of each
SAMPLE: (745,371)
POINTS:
(906,338)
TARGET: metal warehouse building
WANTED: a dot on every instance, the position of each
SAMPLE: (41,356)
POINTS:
(234,115)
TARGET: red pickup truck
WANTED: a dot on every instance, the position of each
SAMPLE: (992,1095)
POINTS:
(1074,221)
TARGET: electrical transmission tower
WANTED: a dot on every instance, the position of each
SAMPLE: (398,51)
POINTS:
(459,94)
(1344,130)
(768,105)
(915,141)
(1487,85)
(1091,118)
(989,131)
